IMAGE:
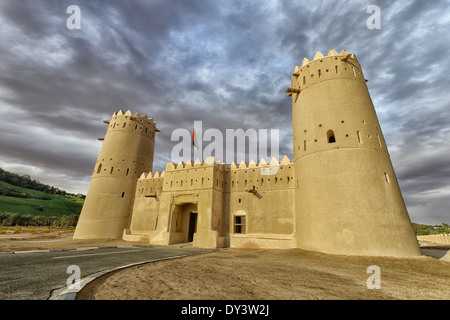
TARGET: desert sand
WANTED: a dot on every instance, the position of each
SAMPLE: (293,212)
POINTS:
(258,274)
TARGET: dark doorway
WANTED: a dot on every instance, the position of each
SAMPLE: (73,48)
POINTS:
(192,226)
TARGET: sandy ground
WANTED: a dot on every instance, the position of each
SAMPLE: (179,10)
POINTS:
(257,274)
(235,274)
(44,239)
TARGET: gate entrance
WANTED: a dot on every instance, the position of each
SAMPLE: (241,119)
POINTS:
(184,223)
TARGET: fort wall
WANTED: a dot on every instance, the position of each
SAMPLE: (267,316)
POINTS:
(126,153)
(347,197)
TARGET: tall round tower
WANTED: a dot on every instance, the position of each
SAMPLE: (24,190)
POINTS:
(126,153)
(347,198)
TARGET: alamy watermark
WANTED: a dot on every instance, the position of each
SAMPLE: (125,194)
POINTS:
(374,21)
(74,20)
(73,281)
(374,281)
(236,146)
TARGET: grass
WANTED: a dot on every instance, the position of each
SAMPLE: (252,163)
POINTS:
(33,229)
(35,193)
(58,205)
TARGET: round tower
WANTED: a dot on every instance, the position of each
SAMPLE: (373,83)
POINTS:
(126,153)
(347,198)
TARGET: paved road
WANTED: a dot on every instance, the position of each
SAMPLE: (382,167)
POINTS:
(33,276)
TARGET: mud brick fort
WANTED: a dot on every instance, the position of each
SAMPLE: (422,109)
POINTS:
(338,195)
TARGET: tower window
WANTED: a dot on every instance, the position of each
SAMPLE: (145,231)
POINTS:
(330,136)
(99,168)
(123,194)
(386,176)
(359,136)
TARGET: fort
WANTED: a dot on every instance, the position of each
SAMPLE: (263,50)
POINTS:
(339,194)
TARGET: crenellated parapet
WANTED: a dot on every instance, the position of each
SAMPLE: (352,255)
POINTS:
(149,184)
(126,121)
(252,177)
(212,173)
(323,68)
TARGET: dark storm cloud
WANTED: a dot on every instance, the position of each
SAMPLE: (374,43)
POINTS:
(226,64)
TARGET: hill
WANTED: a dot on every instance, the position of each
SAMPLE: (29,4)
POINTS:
(32,202)
(36,204)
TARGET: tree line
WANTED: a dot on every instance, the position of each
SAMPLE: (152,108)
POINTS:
(15,219)
(25,181)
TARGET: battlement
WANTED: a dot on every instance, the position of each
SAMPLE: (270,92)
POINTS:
(343,56)
(150,175)
(262,164)
(212,161)
(126,121)
(214,174)
(136,117)
(322,68)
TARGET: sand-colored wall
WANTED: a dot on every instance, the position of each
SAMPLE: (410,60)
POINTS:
(145,207)
(266,201)
(347,198)
(126,153)
(216,192)
(186,188)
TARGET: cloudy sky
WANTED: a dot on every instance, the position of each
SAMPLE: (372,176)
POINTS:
(226,63)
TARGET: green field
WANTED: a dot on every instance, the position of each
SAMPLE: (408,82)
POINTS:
(58,205)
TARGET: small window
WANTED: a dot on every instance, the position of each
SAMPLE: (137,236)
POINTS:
(128,171)
(99,169)
(359,136)
(330,136)
(123,194)
(386,176)
(239,224)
